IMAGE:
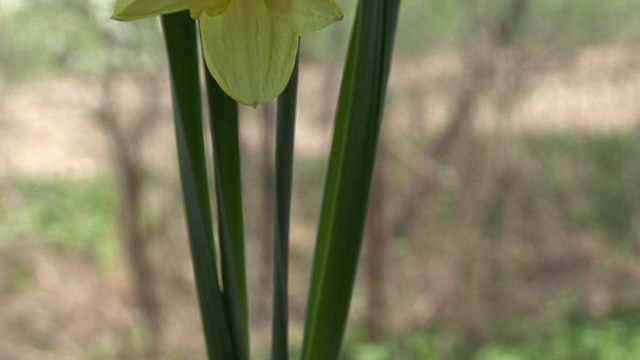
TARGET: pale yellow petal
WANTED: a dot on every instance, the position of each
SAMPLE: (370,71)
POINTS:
(305,16)
(248,51)
(126,10)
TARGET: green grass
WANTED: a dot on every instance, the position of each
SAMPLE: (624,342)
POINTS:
(61,214)
(614,338)
(594,177)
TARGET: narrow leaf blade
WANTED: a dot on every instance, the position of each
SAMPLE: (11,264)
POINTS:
(285,134)
(180,38)
(348,179)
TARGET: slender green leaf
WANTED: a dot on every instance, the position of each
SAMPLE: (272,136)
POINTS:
(285,134)
(180,38)
(348,177)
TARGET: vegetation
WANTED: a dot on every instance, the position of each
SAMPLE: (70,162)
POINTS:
(45,208)
(613,338)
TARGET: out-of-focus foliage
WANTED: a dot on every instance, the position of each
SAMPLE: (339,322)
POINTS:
(594,175)
(579,22)
(616,338)
(431,25)
(40,37)
(42,211)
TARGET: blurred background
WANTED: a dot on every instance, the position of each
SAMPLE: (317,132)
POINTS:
(504,218)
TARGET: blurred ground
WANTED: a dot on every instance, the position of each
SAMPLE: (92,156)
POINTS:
(60,303)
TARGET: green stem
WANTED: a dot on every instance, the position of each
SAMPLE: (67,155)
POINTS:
(180,38)
(285,134)
(226,150)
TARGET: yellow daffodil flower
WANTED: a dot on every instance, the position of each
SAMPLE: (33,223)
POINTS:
(249,45)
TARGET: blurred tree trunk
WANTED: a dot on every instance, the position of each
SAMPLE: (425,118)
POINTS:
(130,185)
(485,172)
(488,41)
(124,143)
(488,61)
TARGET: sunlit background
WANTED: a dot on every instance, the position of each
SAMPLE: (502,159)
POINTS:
(504,219)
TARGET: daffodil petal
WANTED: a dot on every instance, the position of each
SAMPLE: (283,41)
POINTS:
(248,51)
(126,10)
(305,16)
